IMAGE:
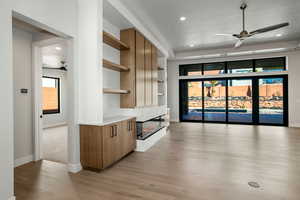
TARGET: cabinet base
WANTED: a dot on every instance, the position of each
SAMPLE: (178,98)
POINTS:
(144,145)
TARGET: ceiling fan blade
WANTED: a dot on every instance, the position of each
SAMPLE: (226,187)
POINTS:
(224,34)
(269,28)
(238,44)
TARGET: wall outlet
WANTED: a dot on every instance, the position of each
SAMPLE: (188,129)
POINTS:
(24,91)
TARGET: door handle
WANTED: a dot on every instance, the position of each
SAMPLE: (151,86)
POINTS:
(112,131)
(116,130)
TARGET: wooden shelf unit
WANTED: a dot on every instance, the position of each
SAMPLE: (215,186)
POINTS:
(115,91)
(114,42)
(113,66)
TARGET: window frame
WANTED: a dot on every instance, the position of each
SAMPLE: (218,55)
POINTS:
(185,67)
(255,96)
(54,111)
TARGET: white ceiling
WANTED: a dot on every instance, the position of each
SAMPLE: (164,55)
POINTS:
(53,56)
(205,18)
(114,17)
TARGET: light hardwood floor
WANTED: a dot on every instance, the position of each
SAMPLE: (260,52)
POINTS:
(194,161)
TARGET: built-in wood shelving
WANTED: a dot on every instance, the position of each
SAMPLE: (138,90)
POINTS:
(113,66)
(114,42)
(114,91)
(161,68)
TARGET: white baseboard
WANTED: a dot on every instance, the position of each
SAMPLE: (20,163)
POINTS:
(74,168)
(12,198)
(22,161)
(55,125)
(294,125)
(144,145)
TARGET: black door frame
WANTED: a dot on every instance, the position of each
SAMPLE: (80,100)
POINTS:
(255,99)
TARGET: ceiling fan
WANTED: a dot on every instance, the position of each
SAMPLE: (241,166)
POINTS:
(245,34)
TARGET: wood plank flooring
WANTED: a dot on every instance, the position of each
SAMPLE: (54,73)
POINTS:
(193,162)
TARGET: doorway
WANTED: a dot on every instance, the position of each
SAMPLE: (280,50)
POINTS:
(54,138)
(260,100)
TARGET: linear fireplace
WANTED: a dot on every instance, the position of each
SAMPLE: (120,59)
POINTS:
(147,128)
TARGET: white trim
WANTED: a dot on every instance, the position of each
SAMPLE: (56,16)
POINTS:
(37,107)
(74,168)
(144,145)
(22,161)
(250,74)
(12,198)
(55,125)
(162,44)
(294,125)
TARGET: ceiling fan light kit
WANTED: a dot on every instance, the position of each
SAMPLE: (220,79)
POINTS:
(244,34)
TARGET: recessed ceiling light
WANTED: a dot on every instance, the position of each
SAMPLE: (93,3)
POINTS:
(278,35)
(191,45)
(182,18)
(58,48)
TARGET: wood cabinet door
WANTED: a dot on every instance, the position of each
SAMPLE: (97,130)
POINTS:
(109,143)
(140,70)
(118,139)
(148,73)
(132,134)
(125,142)
(91,146)
(127,78)
(128,136)
(154,76)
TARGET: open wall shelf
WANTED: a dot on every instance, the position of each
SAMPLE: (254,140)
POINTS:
(114,91)
(113,66)
(114,42)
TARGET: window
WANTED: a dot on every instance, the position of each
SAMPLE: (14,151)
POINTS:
(244,66)
(234,67)
(258,100)
(190,70)
(270,65)
(51,95)
(214,68)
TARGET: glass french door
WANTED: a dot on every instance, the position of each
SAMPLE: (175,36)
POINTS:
(247,100)
(214,100)
(271,100)
(240,104)
(192,104)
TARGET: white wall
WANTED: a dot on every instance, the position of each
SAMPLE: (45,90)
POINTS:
(50,120)
(6,102)
(49,13)
(23,131)
(90,61)
(111,78)
(293,62)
